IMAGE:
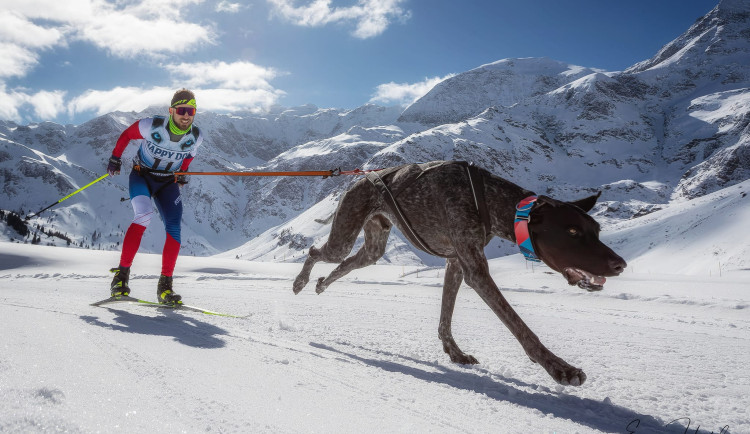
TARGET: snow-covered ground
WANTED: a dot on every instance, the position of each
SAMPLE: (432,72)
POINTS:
(363,356)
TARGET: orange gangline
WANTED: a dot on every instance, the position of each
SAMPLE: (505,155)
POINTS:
(323,173)
(308,173)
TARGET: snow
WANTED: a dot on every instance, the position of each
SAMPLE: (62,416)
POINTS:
(721,107)
(364,355)
(665,346)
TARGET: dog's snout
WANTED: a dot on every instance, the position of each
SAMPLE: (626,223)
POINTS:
(617,265)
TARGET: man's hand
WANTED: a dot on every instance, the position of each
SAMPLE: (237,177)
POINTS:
(114,165)
(181,179)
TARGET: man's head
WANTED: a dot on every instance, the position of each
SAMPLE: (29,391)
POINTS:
(183,108)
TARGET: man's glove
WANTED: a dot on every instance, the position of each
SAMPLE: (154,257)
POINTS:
(114,165)
(181,179)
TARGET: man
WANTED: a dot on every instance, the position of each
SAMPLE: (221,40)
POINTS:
(166,146)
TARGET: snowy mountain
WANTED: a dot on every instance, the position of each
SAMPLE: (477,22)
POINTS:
(667,130)
(502,83)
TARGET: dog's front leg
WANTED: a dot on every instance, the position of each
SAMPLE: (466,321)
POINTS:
(477,275)
(453,278)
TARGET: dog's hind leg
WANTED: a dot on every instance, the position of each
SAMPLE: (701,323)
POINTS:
(376,237)
(353,210)
(477,275)
(304,276)
(453,278)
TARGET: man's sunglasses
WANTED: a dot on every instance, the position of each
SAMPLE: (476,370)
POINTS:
(190,111)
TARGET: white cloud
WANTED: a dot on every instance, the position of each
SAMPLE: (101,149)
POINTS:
(232,100)
(405,93)
(17,29)
(151,29)
(20,39)
(15,60)
(120,99)
(143,37)
(124,29)
(45,104)
(371,17)
(235,75)
(225,6)
(9,104)
(70,11)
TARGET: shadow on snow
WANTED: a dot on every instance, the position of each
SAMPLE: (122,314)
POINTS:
(600,415)
(184,329)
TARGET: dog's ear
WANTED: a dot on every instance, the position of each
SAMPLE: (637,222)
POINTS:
(543,203)
(546,200)
(586,204)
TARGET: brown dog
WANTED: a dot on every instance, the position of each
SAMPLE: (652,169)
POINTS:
(452,210)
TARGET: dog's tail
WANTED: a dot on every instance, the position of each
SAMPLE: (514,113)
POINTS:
(325,221)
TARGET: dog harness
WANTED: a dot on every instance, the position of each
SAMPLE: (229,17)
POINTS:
(390,199)
(521,228)
(475,181)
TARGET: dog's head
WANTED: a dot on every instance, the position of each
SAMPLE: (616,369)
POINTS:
(566,238)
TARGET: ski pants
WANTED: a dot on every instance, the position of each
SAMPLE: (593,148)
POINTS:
(166,194)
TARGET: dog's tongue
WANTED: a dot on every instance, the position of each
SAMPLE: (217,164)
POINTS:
(584,279)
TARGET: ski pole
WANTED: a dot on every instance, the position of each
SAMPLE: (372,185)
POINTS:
(71,194)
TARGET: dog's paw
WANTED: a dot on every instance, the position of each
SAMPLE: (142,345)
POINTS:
(320,287)
(458,356)
(567,375)
(299,284)
(464,359)
(573,378)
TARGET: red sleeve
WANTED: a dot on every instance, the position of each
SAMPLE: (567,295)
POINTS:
(185,163)
(132,133)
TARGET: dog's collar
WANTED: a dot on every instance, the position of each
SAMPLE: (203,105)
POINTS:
(521,228)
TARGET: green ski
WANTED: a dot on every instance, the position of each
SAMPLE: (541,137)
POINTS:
(128,299)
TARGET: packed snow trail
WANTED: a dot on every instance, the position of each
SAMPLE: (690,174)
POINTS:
(364,356)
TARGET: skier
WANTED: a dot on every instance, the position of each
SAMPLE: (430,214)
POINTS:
(166,146)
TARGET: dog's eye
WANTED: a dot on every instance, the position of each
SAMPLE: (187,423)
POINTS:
(574,232)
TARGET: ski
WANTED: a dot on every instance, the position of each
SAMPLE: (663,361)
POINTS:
(117,299)
(195,309)
(128,299)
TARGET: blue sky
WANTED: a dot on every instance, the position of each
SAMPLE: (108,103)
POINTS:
(68,61)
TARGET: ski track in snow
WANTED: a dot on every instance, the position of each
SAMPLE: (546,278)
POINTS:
(363,356)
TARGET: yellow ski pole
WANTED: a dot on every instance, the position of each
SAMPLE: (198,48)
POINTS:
(71,194)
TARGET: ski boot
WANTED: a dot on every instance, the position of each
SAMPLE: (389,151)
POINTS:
(164,291)
(120,286)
